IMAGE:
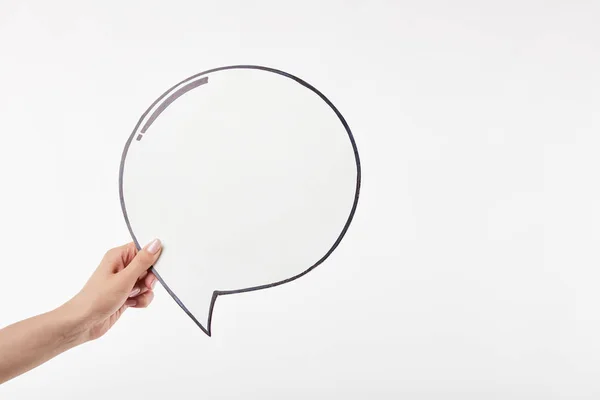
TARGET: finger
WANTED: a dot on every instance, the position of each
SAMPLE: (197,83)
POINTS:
(138,289)
(141,301)
(117,251)
(129,251)
(150,280)
(143,260)
(115,258)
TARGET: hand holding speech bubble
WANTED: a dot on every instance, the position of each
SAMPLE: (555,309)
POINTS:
(249,175)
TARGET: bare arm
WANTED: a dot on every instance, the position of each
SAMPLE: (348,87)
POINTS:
(29,343)
(121,281)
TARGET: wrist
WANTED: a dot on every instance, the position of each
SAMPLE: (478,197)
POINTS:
(73,323)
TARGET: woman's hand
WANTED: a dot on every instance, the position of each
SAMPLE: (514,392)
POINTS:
(121,281)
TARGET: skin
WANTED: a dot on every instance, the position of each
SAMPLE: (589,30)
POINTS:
(121,281)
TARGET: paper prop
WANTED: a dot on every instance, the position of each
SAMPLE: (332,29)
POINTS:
(250,176)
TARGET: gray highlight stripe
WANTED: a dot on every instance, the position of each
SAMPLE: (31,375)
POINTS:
(178,93)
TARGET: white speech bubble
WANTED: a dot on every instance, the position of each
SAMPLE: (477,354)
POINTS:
(250,177)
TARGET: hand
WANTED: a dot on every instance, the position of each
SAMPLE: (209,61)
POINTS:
(121,281)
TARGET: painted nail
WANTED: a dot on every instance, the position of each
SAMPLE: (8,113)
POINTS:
(134,292)
(153,246)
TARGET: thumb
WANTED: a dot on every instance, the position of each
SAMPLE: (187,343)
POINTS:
(143,260)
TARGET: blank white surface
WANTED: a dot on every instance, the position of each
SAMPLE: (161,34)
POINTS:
(248,180)
(471,268)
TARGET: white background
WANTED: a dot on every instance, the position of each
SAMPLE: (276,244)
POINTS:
(471,270)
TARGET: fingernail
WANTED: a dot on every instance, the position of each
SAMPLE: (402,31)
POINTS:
(131,303)
(134,292)
(153,246)
(153,283)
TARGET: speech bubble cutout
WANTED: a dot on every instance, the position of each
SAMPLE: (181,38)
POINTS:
(249,175)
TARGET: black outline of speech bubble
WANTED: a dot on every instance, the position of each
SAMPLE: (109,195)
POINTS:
(191,83)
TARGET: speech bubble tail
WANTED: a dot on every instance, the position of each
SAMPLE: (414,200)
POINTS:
(202,313)
(205,326)
(201,318)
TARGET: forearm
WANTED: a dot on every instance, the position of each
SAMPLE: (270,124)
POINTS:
(29,343)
